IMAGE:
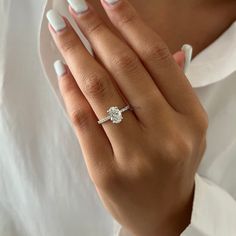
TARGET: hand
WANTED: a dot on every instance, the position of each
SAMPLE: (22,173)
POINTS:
(144,167)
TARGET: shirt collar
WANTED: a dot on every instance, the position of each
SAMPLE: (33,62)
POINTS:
(216,62)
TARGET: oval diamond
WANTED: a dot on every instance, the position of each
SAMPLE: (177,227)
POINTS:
(115,115)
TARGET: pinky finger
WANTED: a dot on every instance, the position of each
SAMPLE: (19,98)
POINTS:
(188,52)
(179,58)
(183,58)
(95,145)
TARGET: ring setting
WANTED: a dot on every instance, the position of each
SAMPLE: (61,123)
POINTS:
(114,115)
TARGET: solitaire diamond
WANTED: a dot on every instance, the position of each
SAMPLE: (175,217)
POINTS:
(115,115)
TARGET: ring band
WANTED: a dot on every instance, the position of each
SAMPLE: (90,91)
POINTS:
(114,115)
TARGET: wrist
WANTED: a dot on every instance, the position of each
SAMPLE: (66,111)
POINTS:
(178,220)
(174,223)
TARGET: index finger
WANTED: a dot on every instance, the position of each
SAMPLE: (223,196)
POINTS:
(154,54)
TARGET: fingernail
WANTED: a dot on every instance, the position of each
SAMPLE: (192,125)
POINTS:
(59,68)
(188,51)
(79,6)
(111,1)
(55,20)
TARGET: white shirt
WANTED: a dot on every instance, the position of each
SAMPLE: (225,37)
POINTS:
(44,186)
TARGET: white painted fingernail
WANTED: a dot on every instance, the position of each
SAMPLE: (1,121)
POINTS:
(55,20)
(111,1)
(79,6)
(188,51)
(59,68)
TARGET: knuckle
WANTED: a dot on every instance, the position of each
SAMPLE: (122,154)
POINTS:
(125,61)
(94,27)
(80,118)
(68,44)
(96,85)
(185,148)
(178,148)
(157,52)
(126,18)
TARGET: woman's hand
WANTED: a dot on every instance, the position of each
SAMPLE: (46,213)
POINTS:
(144,167)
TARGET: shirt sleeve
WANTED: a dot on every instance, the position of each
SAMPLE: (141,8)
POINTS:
(213,212)
(7,226)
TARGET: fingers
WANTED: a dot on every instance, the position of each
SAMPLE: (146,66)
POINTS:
(83,119)
(154,55)
(122,63)
(94,82)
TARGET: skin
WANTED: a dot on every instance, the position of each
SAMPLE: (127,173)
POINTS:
(182,21)
(144,167)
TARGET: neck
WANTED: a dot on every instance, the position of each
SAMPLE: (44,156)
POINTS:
(196,22)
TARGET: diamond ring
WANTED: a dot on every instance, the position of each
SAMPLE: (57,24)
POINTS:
(114,115)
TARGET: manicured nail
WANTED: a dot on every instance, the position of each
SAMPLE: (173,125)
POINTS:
(188,51)
(79,6)
(111,1)
(55,20)
(59,68)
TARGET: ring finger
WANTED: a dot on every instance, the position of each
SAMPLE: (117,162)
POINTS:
(93,80)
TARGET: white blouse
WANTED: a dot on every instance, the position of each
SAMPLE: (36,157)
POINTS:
(44,186)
